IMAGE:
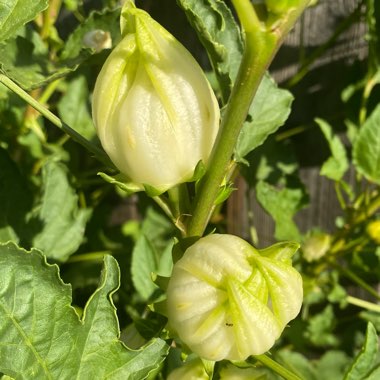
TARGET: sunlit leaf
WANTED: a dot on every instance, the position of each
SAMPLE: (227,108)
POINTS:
(41,335)
(219,33)
(58,224)
(366,359)
(269,111)
(337,165)
(366,152)
(15,13)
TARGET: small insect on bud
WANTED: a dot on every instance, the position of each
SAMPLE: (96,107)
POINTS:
(227,300)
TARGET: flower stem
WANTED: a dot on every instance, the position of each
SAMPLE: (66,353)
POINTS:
(94,149)
(92,256)
(257,55)
(260,46)
(348,273)
(364,304)
(278,368)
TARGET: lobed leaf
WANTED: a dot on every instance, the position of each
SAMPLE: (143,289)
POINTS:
(268,112)
(220,35)
(41,335)
(57,222)
(321,326)
(25,59)
(282,204)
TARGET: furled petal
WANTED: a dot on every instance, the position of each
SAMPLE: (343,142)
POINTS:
(154,110)
(228,301)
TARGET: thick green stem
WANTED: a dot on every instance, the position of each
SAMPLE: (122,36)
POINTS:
(94,149)
(92,256)
(282,371)
(259,50)
(260,46)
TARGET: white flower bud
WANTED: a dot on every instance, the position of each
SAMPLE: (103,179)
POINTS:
(316,246)
(227,300)
(98,40)
(155,113)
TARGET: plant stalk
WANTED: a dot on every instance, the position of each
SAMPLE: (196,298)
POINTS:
(261,44)
(363,304)
(278,368)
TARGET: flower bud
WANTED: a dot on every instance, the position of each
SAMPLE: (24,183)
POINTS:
(316,246)
(154,110)
(373,230)
(98,40)
(227,300)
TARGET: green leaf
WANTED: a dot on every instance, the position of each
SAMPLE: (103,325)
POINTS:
(220,35)
(15,13)
(336,166)
(158,228)
(165,264)
(374,375)
(144,263)
(224,193)
(25,60)
(282,204)
(74,108)
(366,153)
(152,252)
(365,360)
(321,326)
(298,364)
(269,111)
(41,335)
(332,365)
(15,200)
(122,183)
(58,222)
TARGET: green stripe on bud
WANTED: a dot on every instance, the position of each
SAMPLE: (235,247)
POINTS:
(155,113)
